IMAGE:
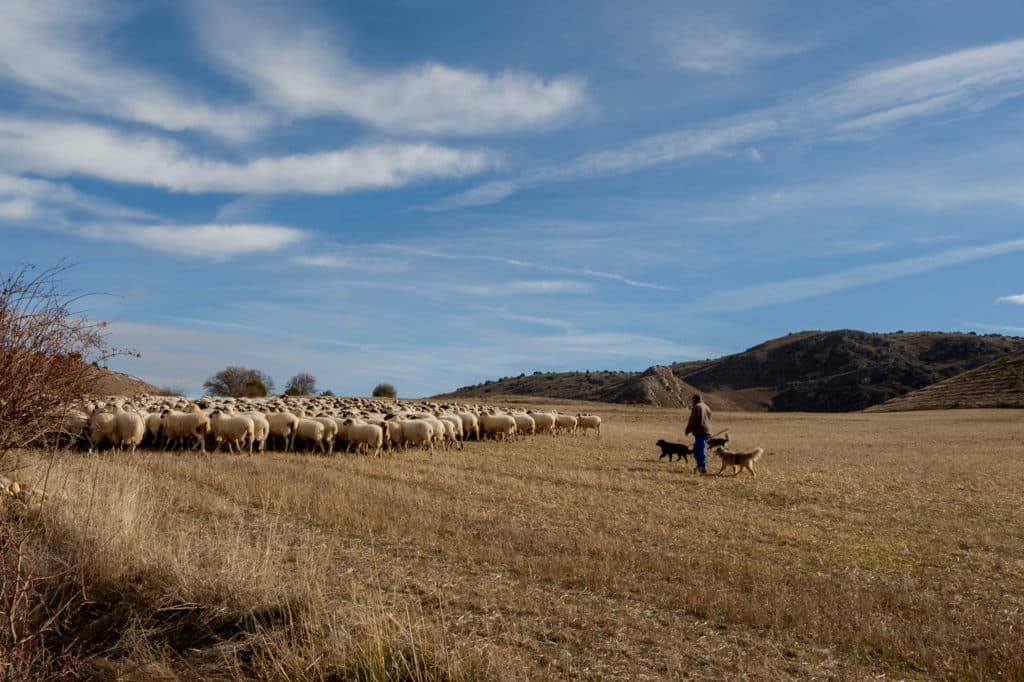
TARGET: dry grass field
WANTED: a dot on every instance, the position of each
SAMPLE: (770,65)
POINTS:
(869,546)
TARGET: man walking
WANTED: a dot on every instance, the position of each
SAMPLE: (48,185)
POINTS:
(700,426)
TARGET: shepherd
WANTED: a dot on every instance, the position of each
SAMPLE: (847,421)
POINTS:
(700,426)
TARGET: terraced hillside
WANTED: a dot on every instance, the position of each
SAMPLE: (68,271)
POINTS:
(1000,383)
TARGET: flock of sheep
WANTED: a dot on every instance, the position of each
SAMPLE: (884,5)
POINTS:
(316,424)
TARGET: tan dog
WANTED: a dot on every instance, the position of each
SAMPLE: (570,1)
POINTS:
(739,460)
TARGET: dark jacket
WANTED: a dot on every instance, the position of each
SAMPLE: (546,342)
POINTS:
(700,420)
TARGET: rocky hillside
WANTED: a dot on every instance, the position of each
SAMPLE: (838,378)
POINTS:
(103,382)
(815,371)
(1000,383)
(656,386)
(846,370)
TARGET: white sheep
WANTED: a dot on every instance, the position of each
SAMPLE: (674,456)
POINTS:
(261,428)
(102,427)
(418,432)
(470,425)
(130,428)
(566,422)
(369,435)
(544,422)
(524,424)
(283,426)
(233,429)
(183,426)
(588,421)
(498,426)
(311,430)
(330,432)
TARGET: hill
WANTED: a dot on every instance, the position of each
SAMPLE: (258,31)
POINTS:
(102,382)
(846,370)
(656,386)
(1000,383)
(812,371)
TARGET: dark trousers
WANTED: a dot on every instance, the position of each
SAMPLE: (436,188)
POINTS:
(700,451)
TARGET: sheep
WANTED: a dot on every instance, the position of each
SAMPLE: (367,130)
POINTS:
(524,424)
(283,426)
(130,428)
(566,422)
(544,422)
(182,426)
(498,426)
(102,427)
(310,430)
(455,435)
(330,432)
(154,427)
(235,429)
(369,435)
(470,425)
(418,431)
(261,428)
(588,421)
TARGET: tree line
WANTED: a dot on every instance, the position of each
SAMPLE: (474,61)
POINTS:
(244,382)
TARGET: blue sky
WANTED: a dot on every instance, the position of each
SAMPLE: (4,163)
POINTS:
(438,193)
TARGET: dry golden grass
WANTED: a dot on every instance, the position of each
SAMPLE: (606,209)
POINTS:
(868,544)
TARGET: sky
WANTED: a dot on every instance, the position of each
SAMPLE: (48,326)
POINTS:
(433,194)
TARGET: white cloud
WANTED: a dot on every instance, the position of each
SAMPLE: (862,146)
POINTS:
(706,48)
(547,286)
(957,83)
(23,199)
(301,70)
(61,149)
(207,242)
(787,291)
(56,47)
(1015,298)
(361,262)
(519,263)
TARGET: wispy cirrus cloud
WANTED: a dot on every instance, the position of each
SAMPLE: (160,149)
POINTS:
(529,287)
(520,263)
(203,242)
(55,47)
(708,48)
(63,149)
(800,288)
(957,83)
(300,69)
(1013,298)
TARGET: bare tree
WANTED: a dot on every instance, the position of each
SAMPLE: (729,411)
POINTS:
(302,383)
(240,382)
(46,348)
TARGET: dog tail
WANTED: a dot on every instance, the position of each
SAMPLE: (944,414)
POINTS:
(757,454)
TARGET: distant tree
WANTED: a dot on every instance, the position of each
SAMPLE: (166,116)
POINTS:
(240,382)
(303,383)
(384,391)
(328,394)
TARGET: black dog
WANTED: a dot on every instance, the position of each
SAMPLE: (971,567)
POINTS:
(669,449)
(718,442)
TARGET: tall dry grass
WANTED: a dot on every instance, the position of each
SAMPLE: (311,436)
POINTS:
(868,545)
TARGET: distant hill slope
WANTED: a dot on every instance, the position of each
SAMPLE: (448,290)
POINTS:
(814,371)
(656,386)
(1000,383)
(104,382)
(846,370)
